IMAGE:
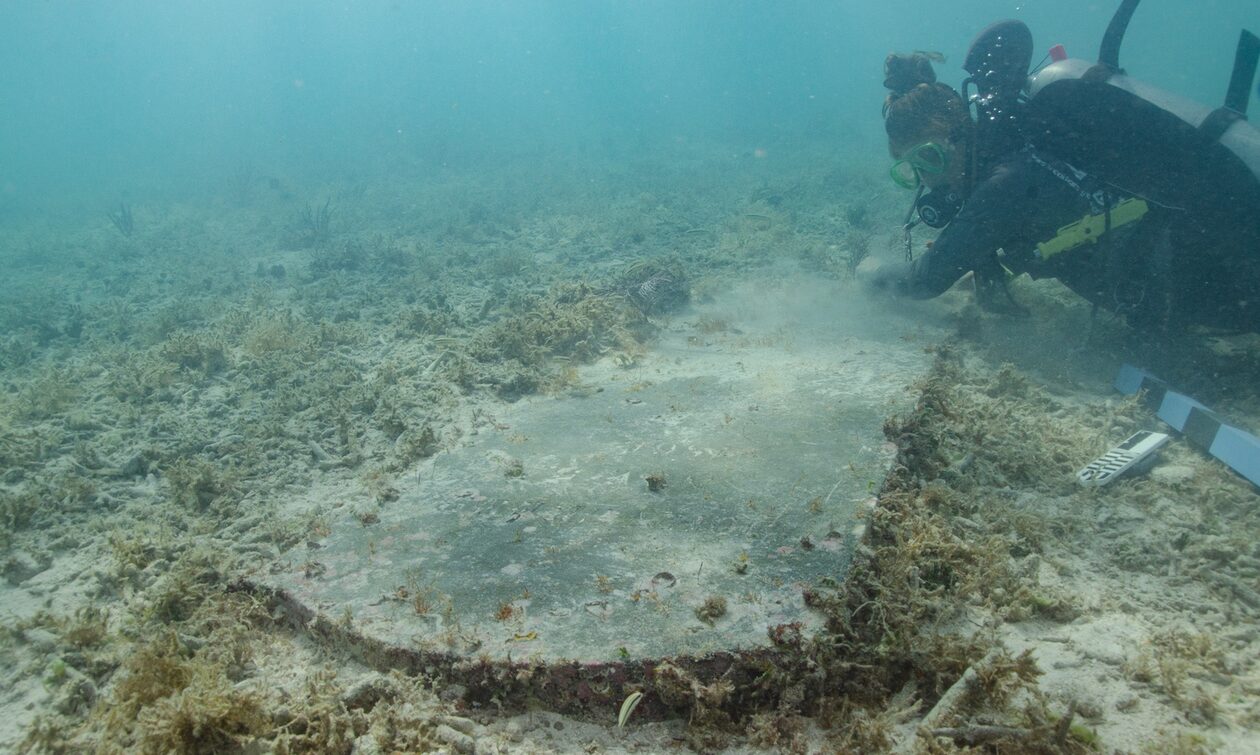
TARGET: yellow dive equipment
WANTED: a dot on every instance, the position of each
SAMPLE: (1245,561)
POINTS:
(1090,228)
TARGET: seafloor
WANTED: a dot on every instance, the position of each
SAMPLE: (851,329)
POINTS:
(189,400)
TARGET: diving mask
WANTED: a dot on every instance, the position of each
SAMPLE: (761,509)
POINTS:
(929,157)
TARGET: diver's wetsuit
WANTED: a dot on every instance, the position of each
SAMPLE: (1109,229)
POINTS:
(1018,204)
(1160,271)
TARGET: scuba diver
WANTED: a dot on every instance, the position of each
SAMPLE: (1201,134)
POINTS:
(1144,204)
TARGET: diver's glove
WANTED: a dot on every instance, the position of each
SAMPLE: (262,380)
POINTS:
(888,278)
(994,296)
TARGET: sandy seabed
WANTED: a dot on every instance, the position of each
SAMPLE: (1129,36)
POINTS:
(192,402)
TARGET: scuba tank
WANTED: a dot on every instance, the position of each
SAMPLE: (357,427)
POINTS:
(1170,151)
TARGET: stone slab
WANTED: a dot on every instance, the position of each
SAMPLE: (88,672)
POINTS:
(730,467)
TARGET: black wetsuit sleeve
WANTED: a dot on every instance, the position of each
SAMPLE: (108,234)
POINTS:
(992,216)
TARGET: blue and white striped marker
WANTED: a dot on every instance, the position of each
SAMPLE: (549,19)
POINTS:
(1238,449)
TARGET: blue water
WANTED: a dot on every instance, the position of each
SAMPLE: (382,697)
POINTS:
(362,227)
(99,96)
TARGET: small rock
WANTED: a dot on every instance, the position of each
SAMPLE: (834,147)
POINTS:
(1172,474)
(514,731)
(1112,656)
(245,523)
(1031,565)
(257,536)
(21,566)
(76,694)
(1121,514)
(158,567)
(460,741)
(486,747)
(254,549)
(366,745)
(106,584)
(41,640)
(460,724)
(282,716)
(1089,709)
(136,466)
(366,693)
(1244,634)
(65,542)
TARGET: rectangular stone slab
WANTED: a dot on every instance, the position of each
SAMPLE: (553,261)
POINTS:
(678,508)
